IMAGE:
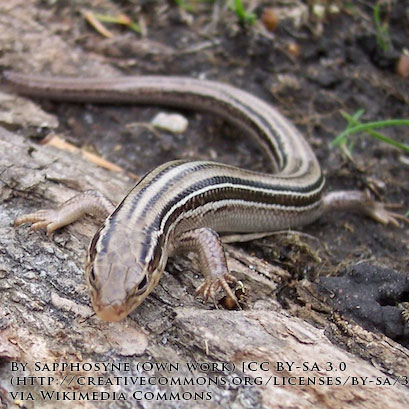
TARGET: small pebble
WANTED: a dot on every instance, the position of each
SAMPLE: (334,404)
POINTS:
(402,67)
(174,123)
(269,19)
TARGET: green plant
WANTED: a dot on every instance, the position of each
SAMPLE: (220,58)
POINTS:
(243,15)
(354,126)
(235,5)
(383,38)
(189,5)
(183,4)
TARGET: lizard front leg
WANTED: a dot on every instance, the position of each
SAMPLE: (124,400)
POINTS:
(206,243)
(88,202)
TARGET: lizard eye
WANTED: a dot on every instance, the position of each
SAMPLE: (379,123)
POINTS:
(92,275)
(142,285)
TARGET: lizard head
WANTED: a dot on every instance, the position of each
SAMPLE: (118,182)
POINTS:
(121,271)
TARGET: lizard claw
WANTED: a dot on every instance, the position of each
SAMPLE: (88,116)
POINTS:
(212,284)
(381,213)
(42,219)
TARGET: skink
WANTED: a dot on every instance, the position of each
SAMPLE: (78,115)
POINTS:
(183,205)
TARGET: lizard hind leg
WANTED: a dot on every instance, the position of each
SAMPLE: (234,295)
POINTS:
(362,202)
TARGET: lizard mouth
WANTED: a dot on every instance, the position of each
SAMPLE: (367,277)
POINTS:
(113,312)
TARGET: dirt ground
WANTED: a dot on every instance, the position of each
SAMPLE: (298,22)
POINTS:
(315,63)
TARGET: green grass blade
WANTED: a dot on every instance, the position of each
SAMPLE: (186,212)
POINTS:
(369,128)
